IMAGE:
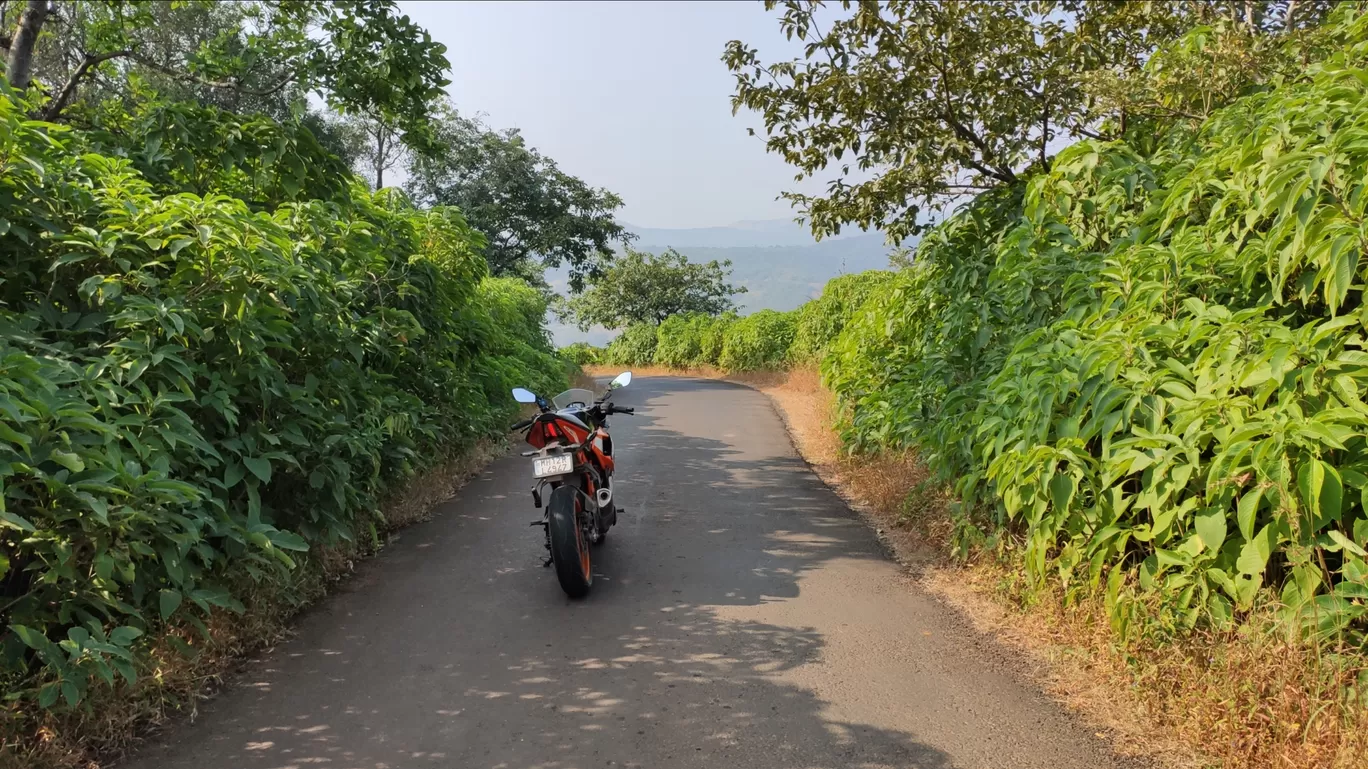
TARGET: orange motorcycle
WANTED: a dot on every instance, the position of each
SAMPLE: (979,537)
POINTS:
(574,461)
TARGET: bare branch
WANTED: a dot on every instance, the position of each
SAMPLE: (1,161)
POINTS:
(963,132)
(63,98)
(235,85)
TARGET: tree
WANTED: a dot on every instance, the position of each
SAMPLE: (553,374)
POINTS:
(642,287)
(534,215)
(937,99)
(358,55)
(1196,57)
(372,147)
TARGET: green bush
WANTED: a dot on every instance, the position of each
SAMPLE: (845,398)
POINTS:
(581,354)
(713,338)
(197,388)
(758,341)
(635,346)
(820,321)
(1146,372)
(679,340)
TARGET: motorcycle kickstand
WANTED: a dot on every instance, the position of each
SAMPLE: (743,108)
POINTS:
(546,563)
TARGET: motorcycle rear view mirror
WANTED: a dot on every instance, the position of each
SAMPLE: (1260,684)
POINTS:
(622,380)
(524,396)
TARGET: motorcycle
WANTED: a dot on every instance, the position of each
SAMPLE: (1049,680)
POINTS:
(573,459)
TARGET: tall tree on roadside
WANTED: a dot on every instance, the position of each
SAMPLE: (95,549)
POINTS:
(642,287)
(359,56)
(930,100)
(534,215)
(373,148)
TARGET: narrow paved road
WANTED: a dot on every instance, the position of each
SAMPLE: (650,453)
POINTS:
(741,617)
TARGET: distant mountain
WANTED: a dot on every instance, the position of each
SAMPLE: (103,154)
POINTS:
(777,275)
(783,277)
(766,232)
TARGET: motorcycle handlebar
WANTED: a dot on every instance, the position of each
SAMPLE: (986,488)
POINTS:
(521,425)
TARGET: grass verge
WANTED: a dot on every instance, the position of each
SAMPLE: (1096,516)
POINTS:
(1253,698)
(174,683)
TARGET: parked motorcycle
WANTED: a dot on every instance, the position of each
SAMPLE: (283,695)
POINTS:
(574,461)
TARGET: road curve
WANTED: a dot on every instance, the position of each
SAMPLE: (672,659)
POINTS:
(741,617)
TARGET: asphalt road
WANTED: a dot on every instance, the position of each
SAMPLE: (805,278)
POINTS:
(741,617)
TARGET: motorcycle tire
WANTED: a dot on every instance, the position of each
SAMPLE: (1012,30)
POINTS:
(569,548)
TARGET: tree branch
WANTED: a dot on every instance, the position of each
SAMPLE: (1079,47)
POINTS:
(235,85)
(1044,133)
(1005,175)
(1001,174)
(63,98)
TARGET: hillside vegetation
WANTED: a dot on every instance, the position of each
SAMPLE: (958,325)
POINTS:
(1142,374)
(210,370)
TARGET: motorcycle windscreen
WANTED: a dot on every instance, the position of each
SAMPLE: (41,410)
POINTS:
(572,396)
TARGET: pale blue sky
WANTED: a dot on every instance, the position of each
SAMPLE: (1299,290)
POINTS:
(632,96)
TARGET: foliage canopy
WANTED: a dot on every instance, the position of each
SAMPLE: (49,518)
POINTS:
(534,216)
(642,287)
(917,102)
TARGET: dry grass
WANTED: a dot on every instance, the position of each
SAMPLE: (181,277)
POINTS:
(173,684)
(1253,698)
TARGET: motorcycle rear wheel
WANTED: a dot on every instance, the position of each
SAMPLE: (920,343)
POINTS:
(569,548)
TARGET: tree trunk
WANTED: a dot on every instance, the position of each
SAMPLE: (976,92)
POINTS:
(19,68)
(380,159)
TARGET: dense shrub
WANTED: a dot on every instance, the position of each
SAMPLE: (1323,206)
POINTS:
(758,341)
(581,354)
(714,337)
(635,346)
(1148,372)
(196,388)
(821,320)
(679,340)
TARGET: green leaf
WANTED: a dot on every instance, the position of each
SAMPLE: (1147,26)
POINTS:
(169,601)
(1248,511)
(260,467)
(124,635)
(1310,479)
(125,669)
(1254,555)
(1332,493)
(47,696)
(1061,491)
(232,474)
(68,460)
(1211,527)
(288,540)
(104,566)
(71,693)
(15,521)
(32,638)
(1346,543)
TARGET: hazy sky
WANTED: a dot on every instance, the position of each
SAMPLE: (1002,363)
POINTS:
(632,96)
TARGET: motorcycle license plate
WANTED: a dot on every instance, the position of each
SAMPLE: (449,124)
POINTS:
(557,464)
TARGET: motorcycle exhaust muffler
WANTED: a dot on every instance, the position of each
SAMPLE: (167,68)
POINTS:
(604,497)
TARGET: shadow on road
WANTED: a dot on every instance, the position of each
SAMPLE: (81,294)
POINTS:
(454,649)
